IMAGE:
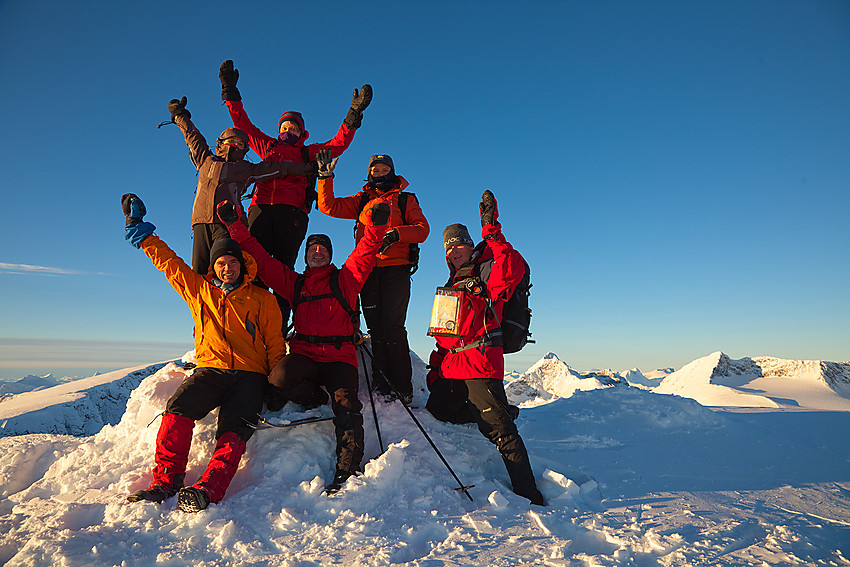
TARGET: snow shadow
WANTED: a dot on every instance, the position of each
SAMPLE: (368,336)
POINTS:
(635,443)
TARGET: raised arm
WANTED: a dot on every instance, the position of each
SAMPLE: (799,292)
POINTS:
(328,203)
(182,278)
(228,76)
(199,149)
(278,276)
(363,258)
(507,270)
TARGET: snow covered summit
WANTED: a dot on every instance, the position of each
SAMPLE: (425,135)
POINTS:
(766,382)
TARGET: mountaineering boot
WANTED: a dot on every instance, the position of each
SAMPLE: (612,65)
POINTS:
(339,479)
(515,457)
(158,492)
(172,453)
(191,499)
(223,464)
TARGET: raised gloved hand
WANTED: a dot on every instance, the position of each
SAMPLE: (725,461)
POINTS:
(178,108)
(227,212)
(380,214)
(228,77)
(325,163)
(135,230)
(390,238)
(488,208)
(359,101)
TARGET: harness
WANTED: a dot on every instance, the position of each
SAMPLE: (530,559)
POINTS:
(336,292)
(469,279)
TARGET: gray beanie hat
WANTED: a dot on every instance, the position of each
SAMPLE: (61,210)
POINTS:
(455,234)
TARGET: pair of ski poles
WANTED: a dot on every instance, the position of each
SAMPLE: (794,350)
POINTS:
(362,348)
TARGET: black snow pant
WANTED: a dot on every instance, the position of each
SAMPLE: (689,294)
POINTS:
(281,230)
(384,299)
(297,371)
(203,237)
(483,401)
(238,393)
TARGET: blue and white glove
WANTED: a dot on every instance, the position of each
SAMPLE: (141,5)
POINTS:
(135,230)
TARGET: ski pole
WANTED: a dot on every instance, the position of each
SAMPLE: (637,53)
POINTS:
(462,488)
(371,400)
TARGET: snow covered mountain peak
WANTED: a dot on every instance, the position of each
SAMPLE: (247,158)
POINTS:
(718,380)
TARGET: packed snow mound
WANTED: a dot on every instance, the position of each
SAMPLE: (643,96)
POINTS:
(66,503)
(550,379)
(766,382)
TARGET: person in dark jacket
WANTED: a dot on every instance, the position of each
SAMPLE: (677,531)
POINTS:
(323,351)
(278,213)
(222,175)
(237,343)
(386,294)
(467,369)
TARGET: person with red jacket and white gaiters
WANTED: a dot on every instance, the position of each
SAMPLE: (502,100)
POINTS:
(322,353)
(468,368)
(237,342)
(277,216)
(386,295)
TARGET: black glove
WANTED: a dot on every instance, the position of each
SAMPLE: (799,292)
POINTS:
(390,238)
(178,108)
(361,99)
(134,209)
(227,212)
(380,214)
(325,163)
(489,211)
(228,76)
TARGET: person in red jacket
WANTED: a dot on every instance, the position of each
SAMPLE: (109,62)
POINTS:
(468,366)
(323,351)
(386,294)
(237,343)
(278,212)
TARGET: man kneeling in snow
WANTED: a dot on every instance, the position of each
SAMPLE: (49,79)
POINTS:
(237,342)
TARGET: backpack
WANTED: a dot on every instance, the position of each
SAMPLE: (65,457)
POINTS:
(311,196)
(513,332)
(516,315)
(336,293)
(413,247)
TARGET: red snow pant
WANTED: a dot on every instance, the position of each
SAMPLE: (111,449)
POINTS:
(239,395)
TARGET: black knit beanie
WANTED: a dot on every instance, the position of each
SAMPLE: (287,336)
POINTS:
(322,239)
(455,234)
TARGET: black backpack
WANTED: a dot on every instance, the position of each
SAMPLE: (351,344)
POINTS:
(516,315)
(513,331)
(413,247)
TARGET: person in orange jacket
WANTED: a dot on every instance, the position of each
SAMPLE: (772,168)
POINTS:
(237,343)
(386,294)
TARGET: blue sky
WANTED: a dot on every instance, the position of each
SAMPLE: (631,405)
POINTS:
(677,173)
